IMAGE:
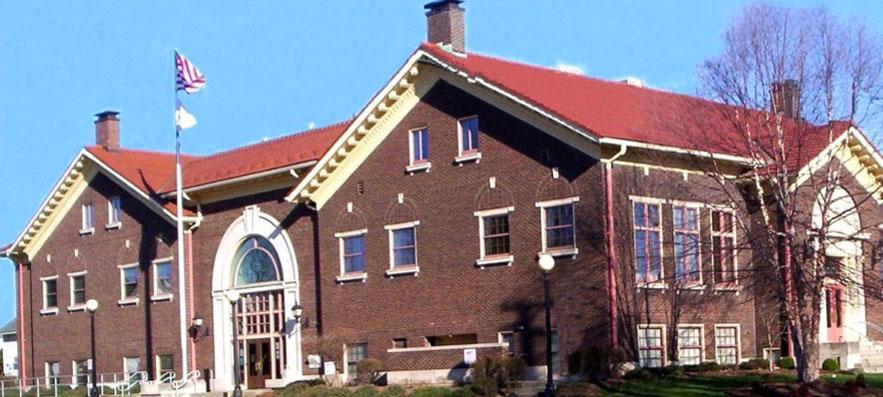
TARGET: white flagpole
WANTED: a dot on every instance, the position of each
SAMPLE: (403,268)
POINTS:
(182,288)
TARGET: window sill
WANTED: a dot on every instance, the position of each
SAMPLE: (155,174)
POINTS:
(467,157)
(116,225)
(692,287)
(84,232)
(653,285)
(495,260)
(128,301)
(557,252)
(49,312)
(403,271)
(727,287)
(361,276)
(77,308)
(418,167)
(160,298)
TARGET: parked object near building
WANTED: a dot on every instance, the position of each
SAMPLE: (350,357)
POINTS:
(411,234)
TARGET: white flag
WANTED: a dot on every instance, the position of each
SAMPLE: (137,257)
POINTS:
(183,120)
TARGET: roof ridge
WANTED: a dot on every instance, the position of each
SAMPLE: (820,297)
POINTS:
(142,151)
(311,131)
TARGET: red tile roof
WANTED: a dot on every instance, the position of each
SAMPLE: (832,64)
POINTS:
(617,110)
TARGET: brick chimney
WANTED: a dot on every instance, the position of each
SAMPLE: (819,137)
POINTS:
(786,98)
(444,23)
(107,129)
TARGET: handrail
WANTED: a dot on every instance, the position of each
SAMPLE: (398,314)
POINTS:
(167,377)
(179,384)
(134,379)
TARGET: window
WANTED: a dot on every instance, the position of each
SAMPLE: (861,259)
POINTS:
(52,370)
(400,343)
(690,345)
(452,340)
(726,342)
(352,255)
(508,337)
(78,288)
(419,150)
(493,230)
(648,242)
(81,372)
(723,243)
(468,131)
(256,261)
(403,248)
(557,221)
(355,352)
(165,364)
(162,279)
(131,365)
(128,282)
(650,346)
(87,226)
(50,293)
(114,210)
(686,235)
(556,347)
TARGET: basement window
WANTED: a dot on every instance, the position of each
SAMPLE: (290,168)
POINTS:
(452,340)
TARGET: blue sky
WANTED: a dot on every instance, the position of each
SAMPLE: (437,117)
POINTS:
(276,67)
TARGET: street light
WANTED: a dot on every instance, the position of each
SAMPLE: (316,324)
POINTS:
(547,263)
(233,297)
(91,307)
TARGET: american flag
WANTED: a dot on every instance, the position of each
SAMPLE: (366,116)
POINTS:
(189,79)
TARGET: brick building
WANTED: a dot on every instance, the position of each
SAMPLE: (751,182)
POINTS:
(411,233)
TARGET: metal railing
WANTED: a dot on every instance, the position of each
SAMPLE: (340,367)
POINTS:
(134,380)
(118,384)
(191,377)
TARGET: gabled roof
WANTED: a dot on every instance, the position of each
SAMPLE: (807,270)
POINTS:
(10,327)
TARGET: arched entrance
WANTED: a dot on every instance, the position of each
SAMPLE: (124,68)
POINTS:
(256,258)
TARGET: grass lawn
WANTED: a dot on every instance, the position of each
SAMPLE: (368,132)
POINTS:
(716,385)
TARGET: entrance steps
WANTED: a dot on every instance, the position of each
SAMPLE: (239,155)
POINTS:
(245,393)
(196,387)
(872,356)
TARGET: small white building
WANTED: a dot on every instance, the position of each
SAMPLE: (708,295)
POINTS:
(9,346)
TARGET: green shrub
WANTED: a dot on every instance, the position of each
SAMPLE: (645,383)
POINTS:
(755,363)
(325,391)
(431,392)
(597,362)
(393,391)
(486,374)
(860,381)
(513,370)
(368,370)
(462,392)
(575,390)
(830,364)
(639,374)
(366,391)
(295,389)
(786,363)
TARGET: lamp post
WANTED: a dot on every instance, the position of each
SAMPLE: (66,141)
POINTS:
(233,297)
(298,311)
(547,263)
(91,307)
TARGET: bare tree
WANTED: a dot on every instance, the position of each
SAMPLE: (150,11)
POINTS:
(791,81)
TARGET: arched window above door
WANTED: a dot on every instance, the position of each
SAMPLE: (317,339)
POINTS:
(255,262)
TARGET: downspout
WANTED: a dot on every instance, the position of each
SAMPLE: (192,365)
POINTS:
(612,261)
(22,373)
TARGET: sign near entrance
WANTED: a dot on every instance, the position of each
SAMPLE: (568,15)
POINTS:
(314,361)
(330,368)
(469,356)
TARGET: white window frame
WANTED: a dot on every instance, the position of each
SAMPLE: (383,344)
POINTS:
(662,340)
(158,364)
(76,374)
(353,276)
(124,300)
(111,209)
(154,275)
(543,205)
(501,341)
(738,341)
(424,165)
(660,283)
(470,156)
(76,307)
(46,310)
(698,207)
(719,285)
(701,328)
(125,367)
(402,270)
(87,211)
(346,358)
(483,260)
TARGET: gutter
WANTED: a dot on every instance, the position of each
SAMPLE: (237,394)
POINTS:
(286,169)
(612,260)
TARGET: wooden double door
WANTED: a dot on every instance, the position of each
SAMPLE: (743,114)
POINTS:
(259,354)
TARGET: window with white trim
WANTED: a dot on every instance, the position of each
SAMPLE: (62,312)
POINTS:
(689,345)
(403,246)
(419,140)
(723,246)
(726,344)
(52,370)
(508,338)
(352,252)
(88,215)
(81,372)
(78,289)
(468,133)
(165,364)
(355,352)
(494,235)
(114,211)
(129,282)
(650,346)
(685,220)
(50,293)
(131,365)
(648,242)
(162,279)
